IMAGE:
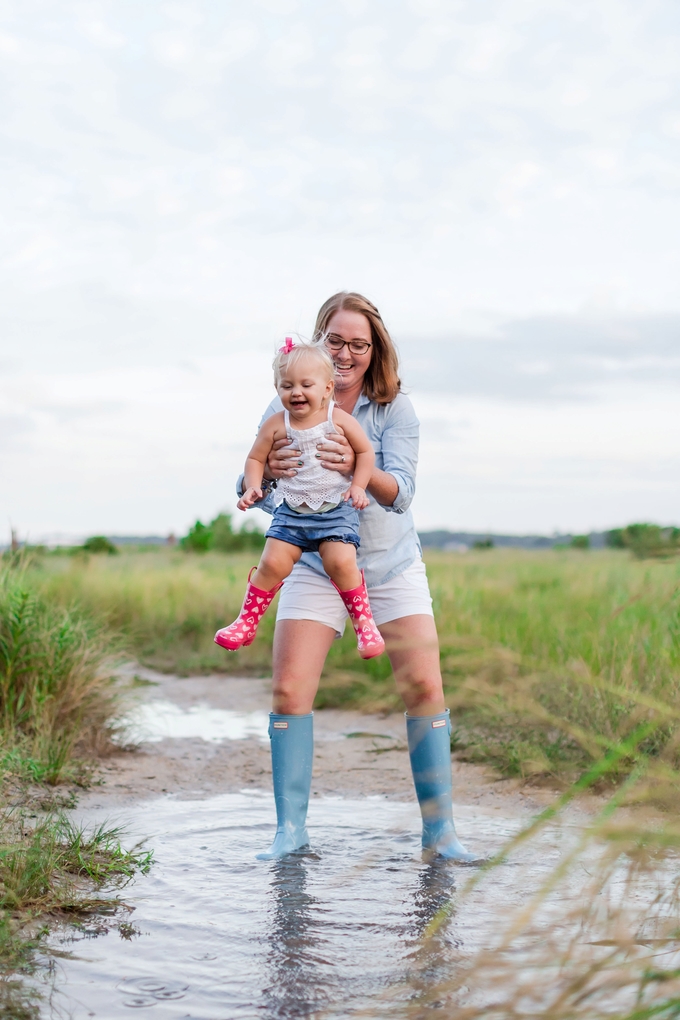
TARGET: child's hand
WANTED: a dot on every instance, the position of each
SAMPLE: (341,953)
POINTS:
(249,498)
(358,497)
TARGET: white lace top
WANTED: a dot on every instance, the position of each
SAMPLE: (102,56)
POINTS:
(313,487)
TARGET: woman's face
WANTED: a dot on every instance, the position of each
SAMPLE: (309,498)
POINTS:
(351,368)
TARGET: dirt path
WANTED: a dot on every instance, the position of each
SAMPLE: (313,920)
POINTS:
(355,755)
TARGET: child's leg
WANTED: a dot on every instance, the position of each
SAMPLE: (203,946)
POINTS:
(340,563)
(277,560)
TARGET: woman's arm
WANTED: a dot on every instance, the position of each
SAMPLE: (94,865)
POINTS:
(383,487)
(399,448)
(392,486)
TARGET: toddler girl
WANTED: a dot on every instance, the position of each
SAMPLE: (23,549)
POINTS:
(313,511)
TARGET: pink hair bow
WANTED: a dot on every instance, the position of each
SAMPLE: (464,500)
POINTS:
(288,346)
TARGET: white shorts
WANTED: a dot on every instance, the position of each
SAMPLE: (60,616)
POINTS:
(307,595)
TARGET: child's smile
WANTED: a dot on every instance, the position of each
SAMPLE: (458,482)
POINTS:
(304,390)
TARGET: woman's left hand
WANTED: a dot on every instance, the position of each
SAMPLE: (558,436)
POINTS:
(337,455)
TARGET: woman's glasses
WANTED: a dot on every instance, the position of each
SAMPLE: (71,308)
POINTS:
(335,343)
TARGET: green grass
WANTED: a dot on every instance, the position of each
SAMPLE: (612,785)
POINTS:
(166,606)
(50,869)
(39,865)
(17,1002)
(57,693)
(58,701)
(549,658)
(552,658)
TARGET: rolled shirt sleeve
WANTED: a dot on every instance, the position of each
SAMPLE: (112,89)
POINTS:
(398,453)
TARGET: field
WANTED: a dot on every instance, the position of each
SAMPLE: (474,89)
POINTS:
(549,658)
(560,667)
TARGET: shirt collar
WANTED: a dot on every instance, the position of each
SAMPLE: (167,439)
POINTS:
(363,399)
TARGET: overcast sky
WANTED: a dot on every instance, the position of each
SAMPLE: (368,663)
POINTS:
(182,183)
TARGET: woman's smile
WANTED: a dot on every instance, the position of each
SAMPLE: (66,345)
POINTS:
(344,368)
(350,368)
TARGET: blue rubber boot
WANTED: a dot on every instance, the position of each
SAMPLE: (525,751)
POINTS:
(292,742)
(429,745)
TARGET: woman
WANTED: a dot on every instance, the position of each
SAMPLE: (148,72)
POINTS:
(311,614)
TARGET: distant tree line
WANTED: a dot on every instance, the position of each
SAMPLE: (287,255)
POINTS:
(642,540)
(220,536)
(646,540)
(217,535)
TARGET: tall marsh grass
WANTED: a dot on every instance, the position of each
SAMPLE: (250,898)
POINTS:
(546,656)
(560,656)
(165,605)
(58,701)
(56,692)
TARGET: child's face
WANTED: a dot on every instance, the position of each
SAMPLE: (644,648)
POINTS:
(304,388)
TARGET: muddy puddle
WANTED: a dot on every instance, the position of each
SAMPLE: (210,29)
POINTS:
(341,931)
(158,720)
(217,934)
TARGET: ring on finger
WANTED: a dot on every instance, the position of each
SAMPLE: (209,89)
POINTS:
(342,459)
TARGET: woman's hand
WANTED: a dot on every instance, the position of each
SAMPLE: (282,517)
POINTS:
(336,455)
(282,460)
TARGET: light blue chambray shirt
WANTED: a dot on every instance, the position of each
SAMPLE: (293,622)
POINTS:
(389,543)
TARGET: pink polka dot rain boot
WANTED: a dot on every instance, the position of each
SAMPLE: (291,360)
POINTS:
(369,639)
(242,632)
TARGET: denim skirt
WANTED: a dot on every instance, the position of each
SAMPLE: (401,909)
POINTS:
(308,531)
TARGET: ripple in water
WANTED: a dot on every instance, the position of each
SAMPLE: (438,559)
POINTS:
(222,935)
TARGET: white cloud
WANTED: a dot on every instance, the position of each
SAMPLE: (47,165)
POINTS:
(172,48)
(186,183)
(99,32)
(521,467)
(129,449)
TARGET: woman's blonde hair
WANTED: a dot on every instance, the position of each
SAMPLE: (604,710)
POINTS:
(381,382)
(289,355)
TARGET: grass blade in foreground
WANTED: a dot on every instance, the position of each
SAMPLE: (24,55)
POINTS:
(599,937)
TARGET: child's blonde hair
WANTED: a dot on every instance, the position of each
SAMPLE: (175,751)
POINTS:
(291,353)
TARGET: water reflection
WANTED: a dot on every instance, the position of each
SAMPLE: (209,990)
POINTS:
(302,964)
(297,973)
(427,931)
(433,897)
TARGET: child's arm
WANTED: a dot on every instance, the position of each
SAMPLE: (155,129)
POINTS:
(365,457)
(256,461)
